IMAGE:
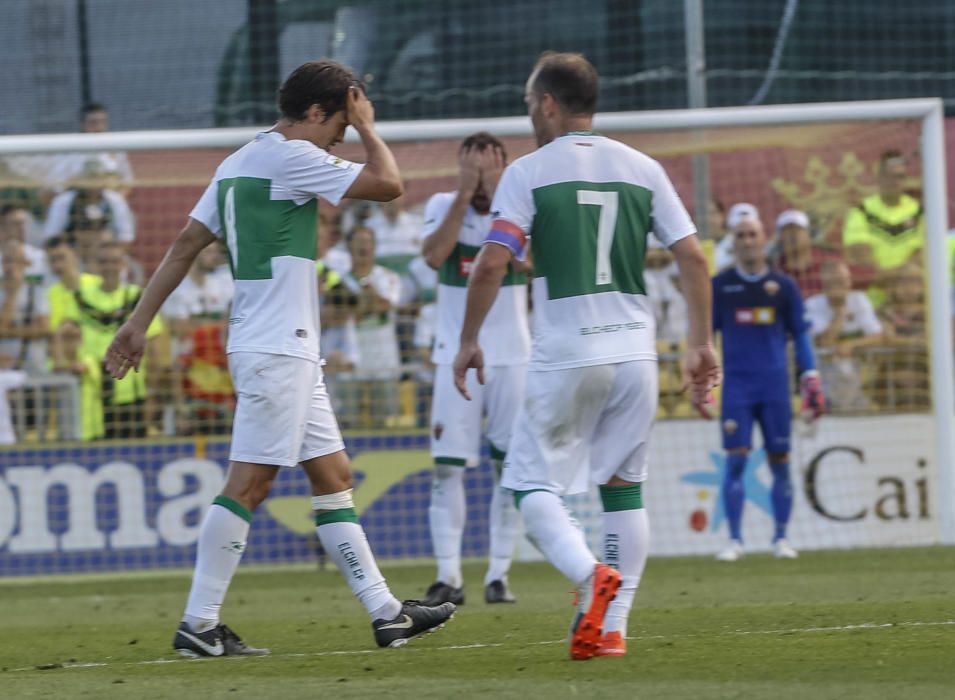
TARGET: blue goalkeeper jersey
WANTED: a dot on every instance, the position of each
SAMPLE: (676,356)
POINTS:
(756,316)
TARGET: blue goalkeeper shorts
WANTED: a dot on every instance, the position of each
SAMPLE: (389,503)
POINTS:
(764,400)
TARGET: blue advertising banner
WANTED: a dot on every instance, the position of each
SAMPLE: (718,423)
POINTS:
(115,507)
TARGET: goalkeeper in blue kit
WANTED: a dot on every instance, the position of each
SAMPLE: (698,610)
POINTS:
(756,310)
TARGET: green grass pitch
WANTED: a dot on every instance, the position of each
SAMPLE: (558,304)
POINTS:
(860,624)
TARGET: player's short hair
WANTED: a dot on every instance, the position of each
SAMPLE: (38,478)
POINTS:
(325,83)
(482,140)
(570,78)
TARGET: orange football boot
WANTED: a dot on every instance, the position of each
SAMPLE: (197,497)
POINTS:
(591,608)
(612,644)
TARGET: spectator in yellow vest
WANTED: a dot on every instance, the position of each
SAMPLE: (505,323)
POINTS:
(65,266)
(101,310)
(886,230)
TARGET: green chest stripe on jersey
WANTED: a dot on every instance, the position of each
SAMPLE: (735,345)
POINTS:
(457,268)
(258,228)
(566,234)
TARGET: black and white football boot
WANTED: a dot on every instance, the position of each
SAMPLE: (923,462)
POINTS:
(218,641)
(414,620)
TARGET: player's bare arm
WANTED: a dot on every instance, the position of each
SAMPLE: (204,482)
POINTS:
(489,269)
(701,370)
(129,344)
(439,245)
(380,179)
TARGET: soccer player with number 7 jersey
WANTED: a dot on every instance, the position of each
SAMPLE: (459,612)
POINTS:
(585,205)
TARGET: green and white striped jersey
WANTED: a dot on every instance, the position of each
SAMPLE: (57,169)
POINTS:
(263,200)
(587,204)
(505,336)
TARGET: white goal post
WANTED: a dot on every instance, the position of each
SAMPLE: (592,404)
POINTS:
(928,112)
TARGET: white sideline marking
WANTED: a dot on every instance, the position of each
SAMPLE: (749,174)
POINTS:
(458,647)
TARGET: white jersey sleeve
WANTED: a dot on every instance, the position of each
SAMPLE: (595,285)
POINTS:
(206,211)
(436,211)
(314,172)
(671,222)
(512,211)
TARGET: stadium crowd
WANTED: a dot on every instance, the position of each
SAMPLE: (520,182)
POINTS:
(69,279)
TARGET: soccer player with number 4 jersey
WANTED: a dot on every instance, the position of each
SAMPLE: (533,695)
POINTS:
(456,224)
(263,202)
(757,310)
(585,205)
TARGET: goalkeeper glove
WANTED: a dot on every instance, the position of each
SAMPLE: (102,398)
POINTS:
(813,400)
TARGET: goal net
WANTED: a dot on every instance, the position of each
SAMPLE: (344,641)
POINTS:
(875,471)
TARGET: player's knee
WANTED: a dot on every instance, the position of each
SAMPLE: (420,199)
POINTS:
(779,458)
(327,483)
(250,492)
(329,474)
(261,492)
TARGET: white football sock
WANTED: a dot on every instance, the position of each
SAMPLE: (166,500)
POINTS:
(554,533)
(503,518)
(626,539)
(222,539)
(348,547)
(446,516)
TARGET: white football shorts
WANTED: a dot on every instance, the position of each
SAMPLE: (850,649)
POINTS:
(582,426)
(283,415)
(456,422)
